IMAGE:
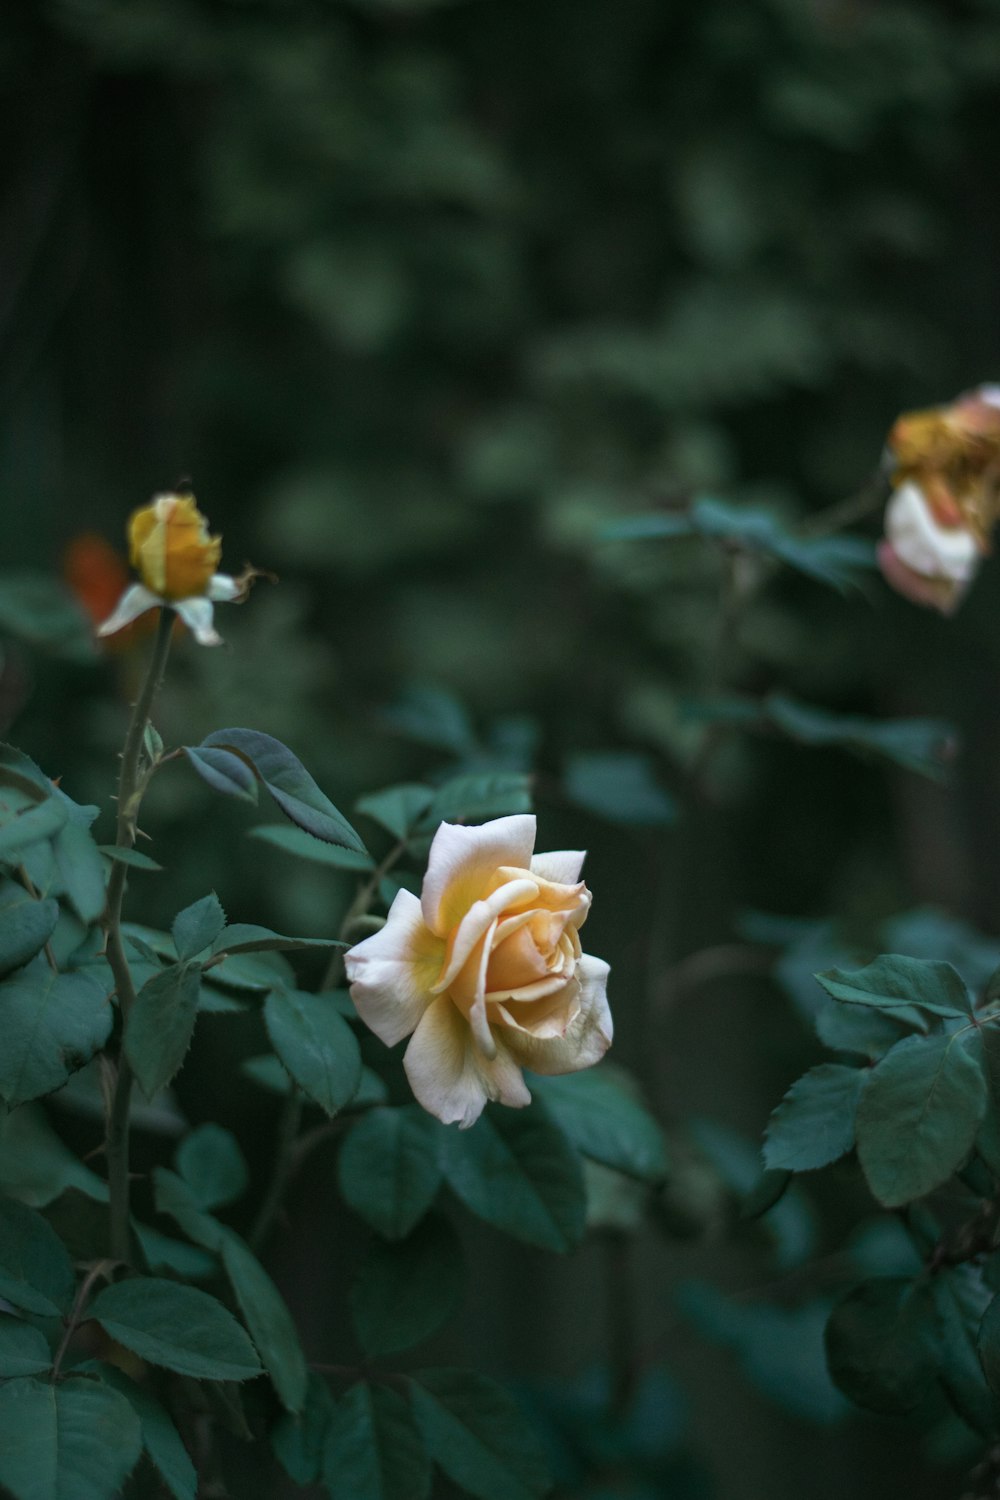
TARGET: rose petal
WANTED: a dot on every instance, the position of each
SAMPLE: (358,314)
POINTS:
(923,544)
(197,614)
(391,973)
(586,1040)
(449,1077)
(463,860)
(560,865)
(548,1015)
(936,593)
(480,916)
(223,589)
(134,602)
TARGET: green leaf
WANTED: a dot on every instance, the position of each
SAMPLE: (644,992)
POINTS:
(173,1196)
(389,1169)
(52,1024)
(24,1349)
(176,1326)
(398,809)
(780,1348)
(984,1046)
(197,926)
(602,1115)
(134,858)
(470,799)
(516,1170)
(432,716)
(373,1450)
(960,1299)
(619,785)
(989,1345)
(252,971)
(880,1344)
(74,1441)
(40,609)
(315,1044)
(212,1164)
(862,1031)
(296,841)
(160,1025)
(814,1123)
(479,1435)
(406,1290)
(36,1166)
(247,937)
(26,924)
(269,1321)
(165,1256)
(918,1116)
(160,1437)
(299,1442)
(80,866)
(22,827)
(926,746)
(224,772)
(835,560)
(894,982)
(289,783)
(267,1072)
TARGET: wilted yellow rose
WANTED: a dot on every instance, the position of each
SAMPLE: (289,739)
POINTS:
(176,558)
(946,500)
(486,970)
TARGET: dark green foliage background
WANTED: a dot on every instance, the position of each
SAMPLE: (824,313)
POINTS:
(421,295)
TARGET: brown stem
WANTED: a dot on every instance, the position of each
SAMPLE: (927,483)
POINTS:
(76,1315)
(281,1174)
(130,788)
(870,497)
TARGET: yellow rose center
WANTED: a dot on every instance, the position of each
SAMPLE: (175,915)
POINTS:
(511,960)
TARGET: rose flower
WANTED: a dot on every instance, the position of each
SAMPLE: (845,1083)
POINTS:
(946,481)
(176,559)
(486,971)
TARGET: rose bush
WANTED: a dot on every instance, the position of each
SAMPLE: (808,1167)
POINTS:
(486,970)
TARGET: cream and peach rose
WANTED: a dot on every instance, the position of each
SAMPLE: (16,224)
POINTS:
(486,970)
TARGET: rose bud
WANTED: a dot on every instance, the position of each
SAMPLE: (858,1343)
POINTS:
(176,559)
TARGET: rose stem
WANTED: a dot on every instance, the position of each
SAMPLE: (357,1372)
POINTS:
(129,797)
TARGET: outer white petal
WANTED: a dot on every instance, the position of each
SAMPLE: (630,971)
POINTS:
(562,866)
(134,602)
(391,973)
(223,588)
(922,544)
(477,920)
(462,860)
(585,1041)
(988,393)
(197,616)
(450,1077)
